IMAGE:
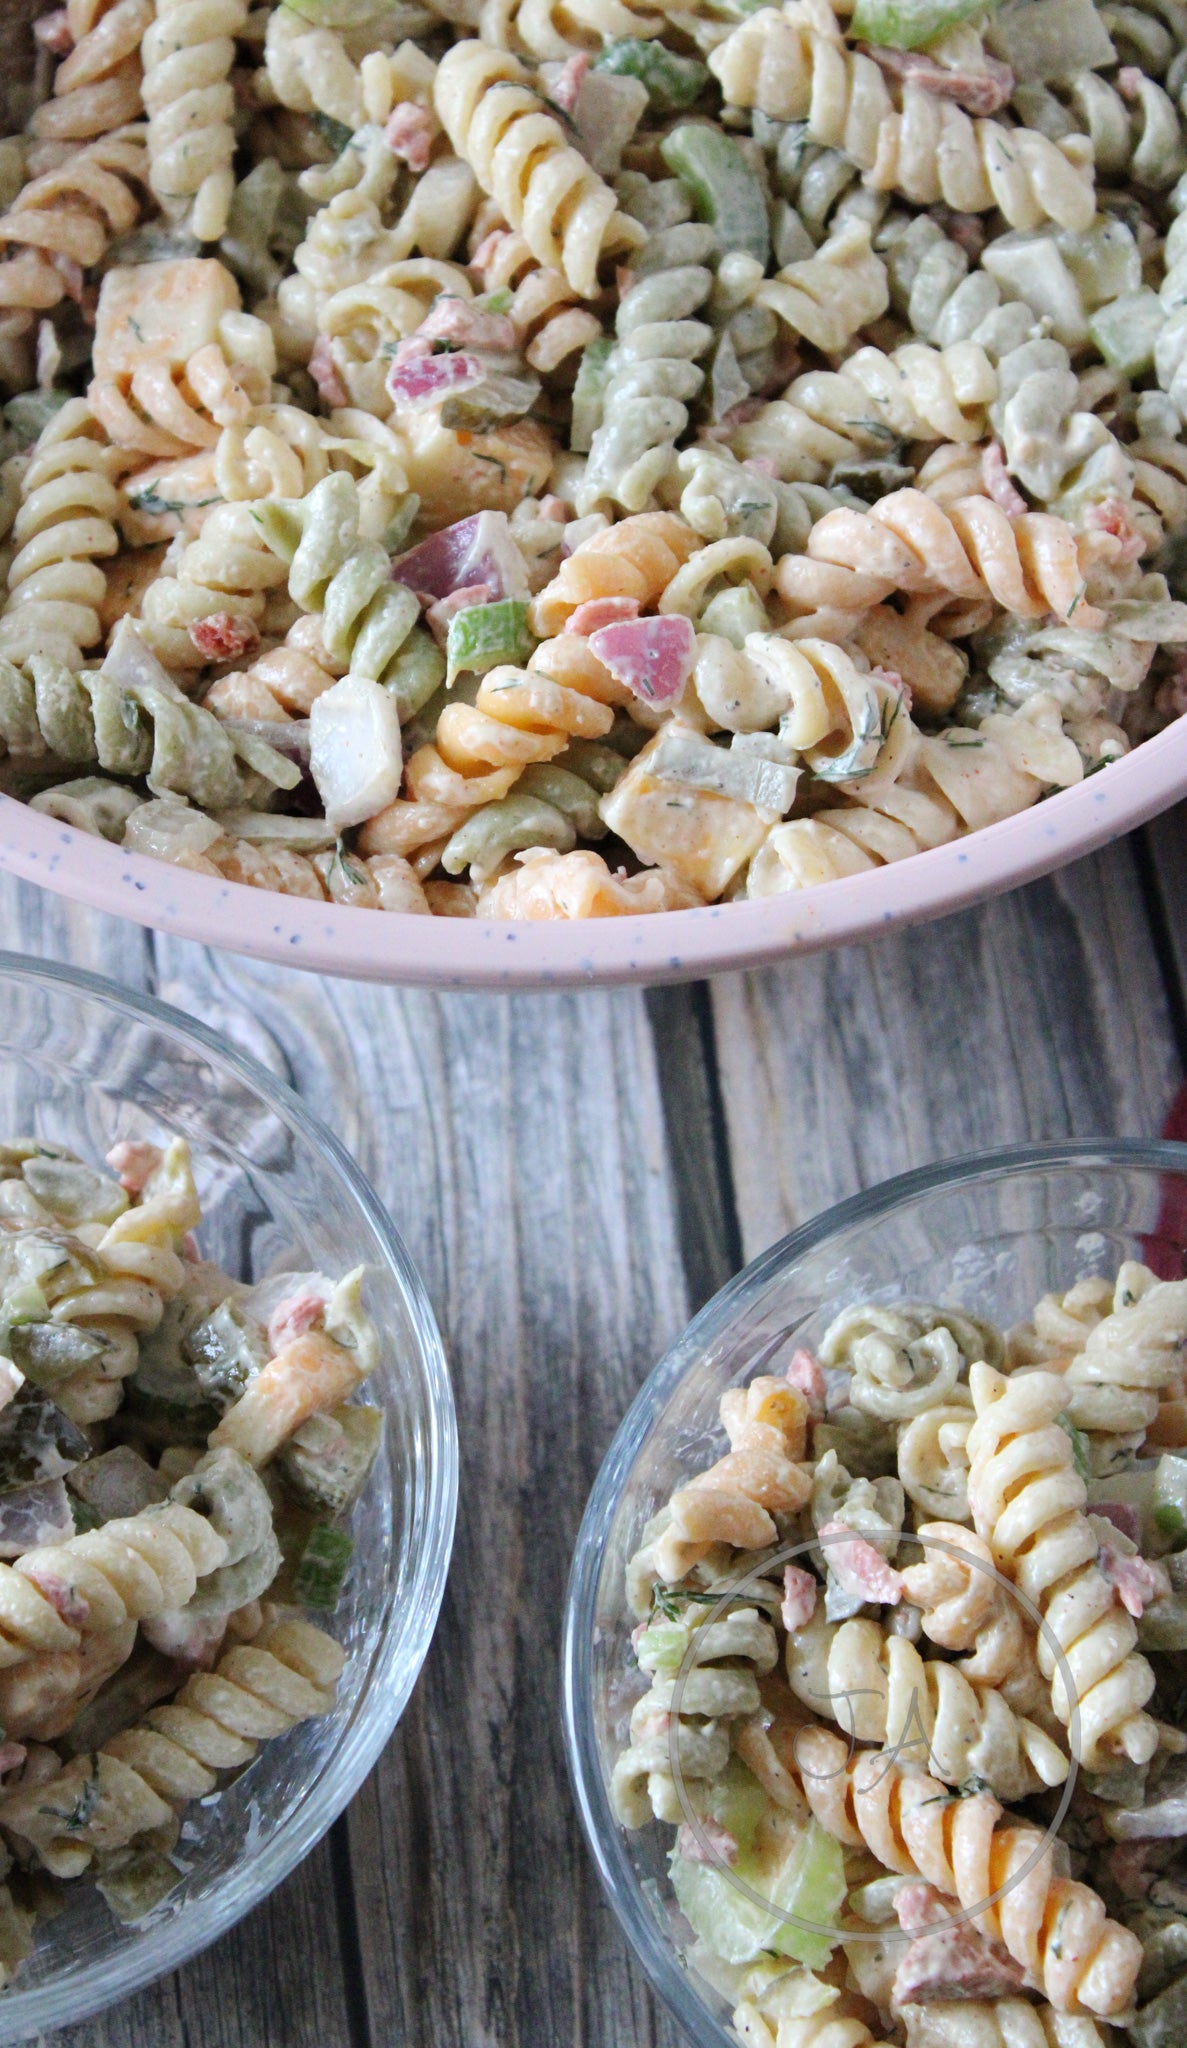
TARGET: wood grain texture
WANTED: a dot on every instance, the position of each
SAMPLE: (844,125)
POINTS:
(1040,1015)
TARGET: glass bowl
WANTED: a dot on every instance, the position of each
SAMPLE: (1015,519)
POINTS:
(84,1064)
(992,1233)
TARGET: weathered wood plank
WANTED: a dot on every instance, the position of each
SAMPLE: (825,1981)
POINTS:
(1040,1015)
(519,1144)
(1163,845)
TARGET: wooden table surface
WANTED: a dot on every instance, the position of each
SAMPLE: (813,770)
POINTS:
(575,1174)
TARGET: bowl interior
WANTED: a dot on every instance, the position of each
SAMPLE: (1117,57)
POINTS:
(84,1066)
(991,1235)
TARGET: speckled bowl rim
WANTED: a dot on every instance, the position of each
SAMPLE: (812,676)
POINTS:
(674,946)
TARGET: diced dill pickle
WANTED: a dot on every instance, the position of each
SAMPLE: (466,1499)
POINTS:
(73,1192)
(118,1482)
(37,1440)
(138,1885)
(325,1463)
(320,1572)
(226,1349)
(48,1353)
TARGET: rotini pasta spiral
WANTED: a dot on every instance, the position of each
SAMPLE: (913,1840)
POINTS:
(71,212)
(1028,1502)
(791,69)
(188,52)
(366,619)
(720,1684)
(831,2027)
(1132,124)
(828,297)
(1131,1356)
(103,1801)
(879,1689)
(496,122)
(971,549)
(97,84)
(1056,1928)
(550,324)
(65,527)
(228,570)
(1006,2023)
(638,558)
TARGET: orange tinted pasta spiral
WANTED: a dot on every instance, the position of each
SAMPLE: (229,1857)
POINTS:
(637,558)
(97,86)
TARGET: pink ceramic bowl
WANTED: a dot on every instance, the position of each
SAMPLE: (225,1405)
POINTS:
(677,945)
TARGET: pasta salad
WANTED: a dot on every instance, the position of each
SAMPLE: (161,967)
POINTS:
(559,458)
(912,1658)
(178,1453)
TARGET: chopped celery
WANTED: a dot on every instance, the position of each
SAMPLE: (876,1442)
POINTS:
(1050,39)
(1125,331)
(589,391)
(672,82)
(1079,1443)
(484,635)
(419,670)
(809,1882)
(84,1517)
(908,24)
(322,1566)
(1170,1499)
(662,1646)
(30,411)
(725,188)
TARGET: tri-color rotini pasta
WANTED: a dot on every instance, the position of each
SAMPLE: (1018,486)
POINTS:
(909,1659)
(605,355)
(179,1453)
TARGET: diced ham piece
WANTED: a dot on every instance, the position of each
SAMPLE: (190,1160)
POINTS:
(425,380)
(567,84)
(479,549)
(223,636)
(1123,1515)
(653,658)
(324,372)
(1137,1581)
(799,1597)
(804,1372)
(1130,80)
(467,326)
(597,612)
(53,32)
(919,1906)
(557,509)
(982,90)
(709,1843)
(1114,517)
(857,1567)
(997,483)
(442,609)
(408,133)
(134,1163)
(293,1316)
(955,1962)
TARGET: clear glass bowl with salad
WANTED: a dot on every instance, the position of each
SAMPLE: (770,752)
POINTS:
(361,1496)
(989,1236)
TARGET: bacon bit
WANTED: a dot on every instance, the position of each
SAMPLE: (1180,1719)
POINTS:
(919,1906)
(63,1598)
(408,133)
(857,1567)
(223,636)
(558,509)
(1137,1582)
(488,249)
(653,658)
(804,1372)
(997,482)
(441,611)
(799,1597)
(1123,1515)
(1113,516)
(761,465)
(469,326)
(135,1163)
(53,32)
(710,1843)
(324,372)
(982,91)
(567,84)
(739,415)
(1130,80)
(955,1962)
(424,379)
(293,1316)
(597,612)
